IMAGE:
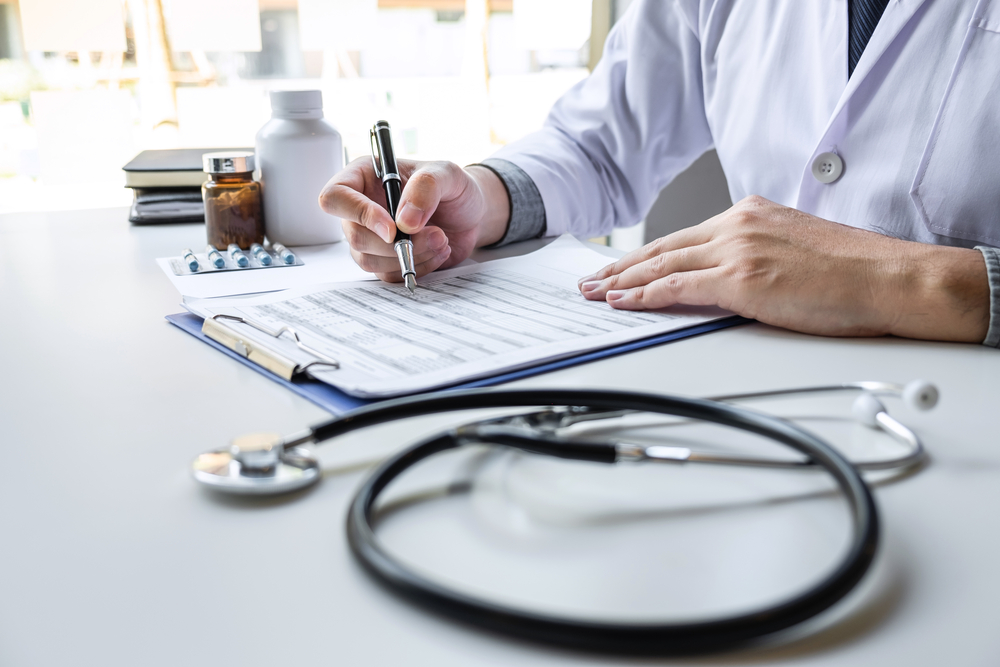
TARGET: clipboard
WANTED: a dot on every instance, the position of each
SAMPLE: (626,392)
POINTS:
(337,402)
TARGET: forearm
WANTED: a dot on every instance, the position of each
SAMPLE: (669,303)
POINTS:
(939,293)
(614,140)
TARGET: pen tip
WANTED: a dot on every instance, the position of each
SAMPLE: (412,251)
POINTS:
(411,283)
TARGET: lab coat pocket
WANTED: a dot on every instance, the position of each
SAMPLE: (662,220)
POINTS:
(957,186)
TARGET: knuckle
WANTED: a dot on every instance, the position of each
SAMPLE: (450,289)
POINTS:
(674,283)
(367,216)
(659,246)
(424,180)
(366,262)
(329,197)
(661,264)
(450,169)
(744,218)
(351,232)
(326,197)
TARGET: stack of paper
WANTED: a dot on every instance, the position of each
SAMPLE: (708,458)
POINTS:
(462,324)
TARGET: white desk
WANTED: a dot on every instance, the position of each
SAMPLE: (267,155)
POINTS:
(112,556)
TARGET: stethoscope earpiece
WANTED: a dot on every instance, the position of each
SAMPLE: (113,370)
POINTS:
(921,394)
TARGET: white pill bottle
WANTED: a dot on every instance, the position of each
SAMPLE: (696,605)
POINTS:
(297,152)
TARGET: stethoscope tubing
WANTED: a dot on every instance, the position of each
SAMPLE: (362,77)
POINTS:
(445,401)
(651,638)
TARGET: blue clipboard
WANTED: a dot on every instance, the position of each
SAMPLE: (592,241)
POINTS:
(337,402)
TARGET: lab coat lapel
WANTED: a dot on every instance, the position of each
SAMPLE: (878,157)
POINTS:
(897,14)
(895,18)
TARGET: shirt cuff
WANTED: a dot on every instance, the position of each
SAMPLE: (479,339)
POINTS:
(992,257)
(527,211)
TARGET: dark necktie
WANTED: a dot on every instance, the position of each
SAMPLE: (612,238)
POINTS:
(862,17)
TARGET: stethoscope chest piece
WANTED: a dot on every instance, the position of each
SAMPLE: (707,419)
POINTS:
(257,464)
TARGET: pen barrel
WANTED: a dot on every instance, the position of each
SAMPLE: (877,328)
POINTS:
(384,158)
(382,138)
(393,191)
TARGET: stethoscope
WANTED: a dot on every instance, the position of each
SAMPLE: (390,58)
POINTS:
(267,464)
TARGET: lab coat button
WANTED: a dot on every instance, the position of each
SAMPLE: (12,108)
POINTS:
(827,167)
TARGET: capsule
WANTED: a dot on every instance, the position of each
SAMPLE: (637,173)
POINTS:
(260,254)
(215,257)
(238,256)
(286,255)
(191,260)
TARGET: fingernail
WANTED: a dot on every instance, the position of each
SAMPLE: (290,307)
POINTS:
(586,279)
(382,230)
(590,285)
(409,215)
(616,294)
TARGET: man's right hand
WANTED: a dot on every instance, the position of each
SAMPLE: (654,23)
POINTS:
(448,212)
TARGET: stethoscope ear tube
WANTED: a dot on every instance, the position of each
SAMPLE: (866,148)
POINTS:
(650,639)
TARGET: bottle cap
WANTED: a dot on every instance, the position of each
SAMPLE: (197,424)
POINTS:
(296,100)
(228,162)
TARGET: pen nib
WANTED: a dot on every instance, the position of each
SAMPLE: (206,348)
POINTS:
(411,283)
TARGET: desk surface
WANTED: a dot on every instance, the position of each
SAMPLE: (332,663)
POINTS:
(112,556)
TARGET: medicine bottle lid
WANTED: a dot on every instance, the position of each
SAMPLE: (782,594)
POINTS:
(296,100)
(228,162)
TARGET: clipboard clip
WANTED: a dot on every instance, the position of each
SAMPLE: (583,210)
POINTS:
(277,363)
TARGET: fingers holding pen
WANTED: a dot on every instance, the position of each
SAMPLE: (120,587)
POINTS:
(354,195)
(387,268)
(366,242)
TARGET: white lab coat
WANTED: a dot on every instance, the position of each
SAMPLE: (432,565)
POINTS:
(765,82)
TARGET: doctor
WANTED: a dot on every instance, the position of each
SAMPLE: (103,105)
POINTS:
(860,138)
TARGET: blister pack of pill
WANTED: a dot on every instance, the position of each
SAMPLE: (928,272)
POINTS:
(233,258)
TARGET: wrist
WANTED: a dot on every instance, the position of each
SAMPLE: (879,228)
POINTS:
(496,205)
(944,292)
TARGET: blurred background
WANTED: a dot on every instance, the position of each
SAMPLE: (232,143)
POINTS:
(87,84)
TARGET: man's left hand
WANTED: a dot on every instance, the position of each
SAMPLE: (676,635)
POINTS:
(784,267)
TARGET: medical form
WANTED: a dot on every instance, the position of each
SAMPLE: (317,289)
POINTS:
(462,324)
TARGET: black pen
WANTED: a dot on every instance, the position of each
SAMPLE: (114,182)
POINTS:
(384,161)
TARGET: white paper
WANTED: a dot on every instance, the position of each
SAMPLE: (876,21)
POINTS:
(73,25)
(213,25)
(322,264)
(552,24)
(327,25)
(464,323)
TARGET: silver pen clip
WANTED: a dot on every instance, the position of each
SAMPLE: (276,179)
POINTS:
(375,151)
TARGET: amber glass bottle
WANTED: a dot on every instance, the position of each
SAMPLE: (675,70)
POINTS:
(233,212)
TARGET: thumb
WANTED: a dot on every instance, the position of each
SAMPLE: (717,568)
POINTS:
(423,193)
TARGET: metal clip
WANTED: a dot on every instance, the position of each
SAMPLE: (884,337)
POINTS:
(375,151)
(273,361)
